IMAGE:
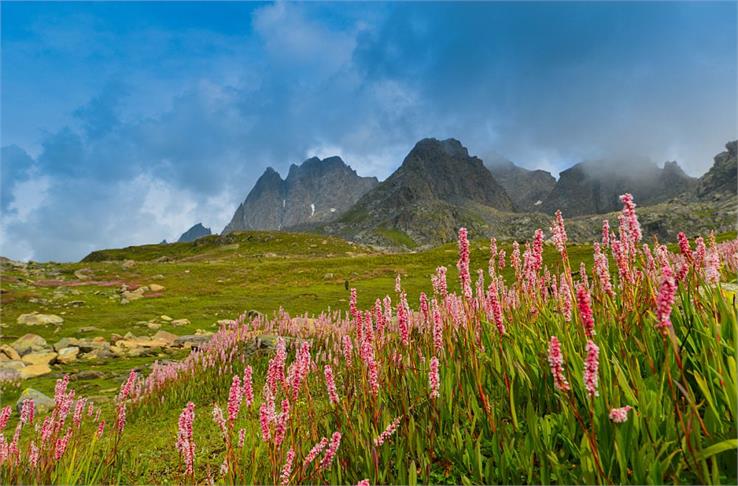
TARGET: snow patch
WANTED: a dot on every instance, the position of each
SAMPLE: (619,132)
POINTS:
(333,210)
(538,203)
(312,210)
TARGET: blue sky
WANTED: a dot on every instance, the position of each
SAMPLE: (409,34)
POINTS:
(126,123)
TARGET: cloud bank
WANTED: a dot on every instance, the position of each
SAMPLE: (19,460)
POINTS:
(125,124)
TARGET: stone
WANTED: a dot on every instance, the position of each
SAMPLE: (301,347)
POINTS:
(165,336)
(68,355)
(156,287)
(87,375)
(12,365)
(94,344)
(180,322)
(36,319)
(190,341)
(89,329)
(101,353)
(35,370)
(153,326)
(45,358)
(131,295)
(128,264)
(202,332)
(75,303)
(83,273)
(65,343)
(29,343)
(9,352)
(165,318)
(41,402)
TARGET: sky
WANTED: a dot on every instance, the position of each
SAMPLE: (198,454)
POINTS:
(126,123)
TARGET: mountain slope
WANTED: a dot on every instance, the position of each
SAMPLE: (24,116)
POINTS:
(527,188)
(313,192)
(594,187)
(438,188)
(197,231)
(720,180)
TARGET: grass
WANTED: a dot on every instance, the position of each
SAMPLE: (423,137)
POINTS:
(205,281)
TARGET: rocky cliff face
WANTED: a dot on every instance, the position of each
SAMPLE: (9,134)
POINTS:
(594,187)
(720,181)
(315,191)
(527,188)
(438,188)
(197,231)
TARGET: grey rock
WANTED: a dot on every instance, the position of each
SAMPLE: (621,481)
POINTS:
(41,402)
(313,192)
(29,343)
(195,232)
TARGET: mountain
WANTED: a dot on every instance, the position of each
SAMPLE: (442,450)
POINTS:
(594,187)
(438,188)
(197,231)
(314,192)
(527,188)
(720,180)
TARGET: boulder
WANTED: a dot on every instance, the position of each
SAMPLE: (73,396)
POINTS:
(12,365)
(180,322)
(100,353)
(45,358)
(10,353)
(87,375)
(36,319)
(83,273)
(35,370)
(190,341)
(41,403)
(153,326)
(130,296)
(29,343)
(96,343)
(165,336)
(156,287)
(65,343)
(128,264)
(68,355)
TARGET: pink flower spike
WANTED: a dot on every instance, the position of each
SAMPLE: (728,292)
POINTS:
(330,384)
(234,399)
(585,310)
(248,387)
(463,264)
(591,368)
(556,362)
(665,298)
(284,477)
(434,379)
(620,415)
(330,453)
(315,451)
(387,433)
(363,482)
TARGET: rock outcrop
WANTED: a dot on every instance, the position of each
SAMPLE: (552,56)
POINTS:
(314,192)
(595,187)
(192,234)
(527,188)
(720,181)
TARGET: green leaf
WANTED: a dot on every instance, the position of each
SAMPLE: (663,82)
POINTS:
(714,449)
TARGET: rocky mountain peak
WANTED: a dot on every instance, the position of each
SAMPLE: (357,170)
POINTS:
(721,180)
(314,191)
(195,232)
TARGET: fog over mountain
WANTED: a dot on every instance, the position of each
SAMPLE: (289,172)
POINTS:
(166,114)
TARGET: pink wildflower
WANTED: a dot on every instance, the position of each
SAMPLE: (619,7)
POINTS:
(565,298)
(185,444)
(424,306)
(317,449)
(684,246)
(219,419)
(33,455)
(281,429)
(496,308)
(27,409)
(121,420)
(585,310)
(631,219)
(125,389)
(348,349)
(712,267)
(331,451)
(501,260)
(61,445)
(398,284)
(248,387)
(402,319)
(352,303)
(492,257)
(556,362)
(439,282)
(433,378)
(558,233)
(284,477)
(330,384)
(387,433)
(591,368)
(100,429)
(363,482)
(463,264)
(4,417)
(234,399)
(620,415)
(241,437)
(437,328)
(264,422)
(665,298)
